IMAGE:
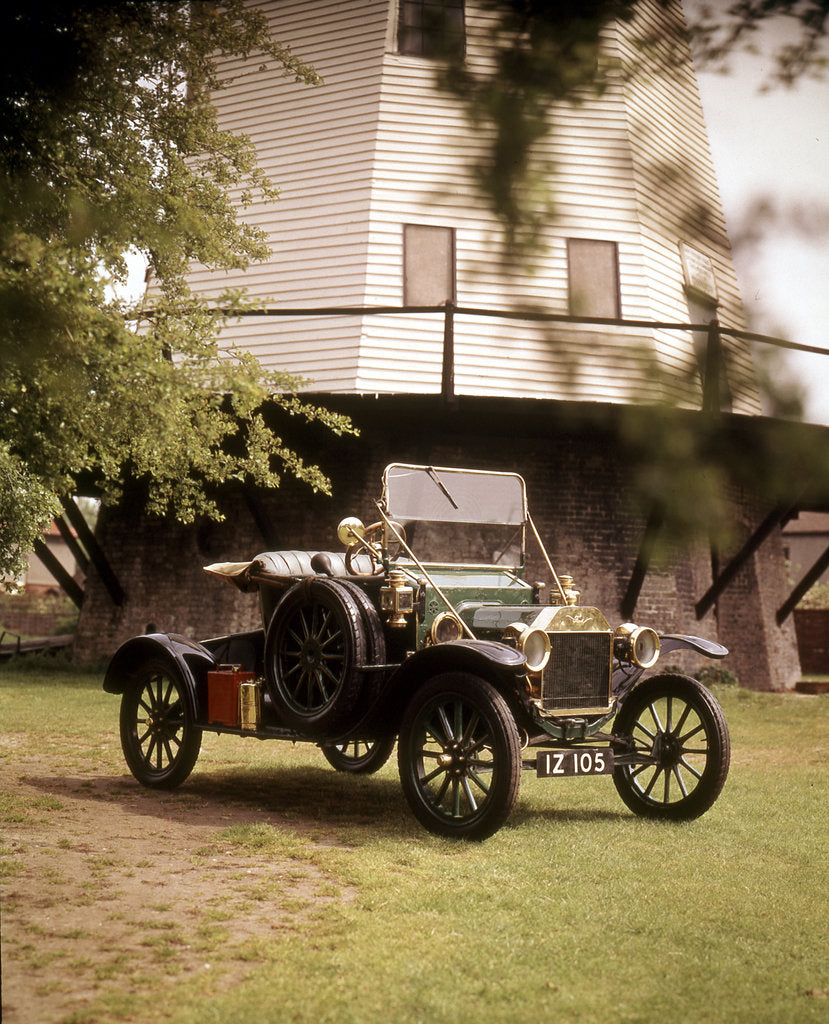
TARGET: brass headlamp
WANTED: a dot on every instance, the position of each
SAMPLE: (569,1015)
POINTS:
(534,644)
(445,628)
(639,644)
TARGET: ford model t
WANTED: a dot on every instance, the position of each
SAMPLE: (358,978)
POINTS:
(423,632)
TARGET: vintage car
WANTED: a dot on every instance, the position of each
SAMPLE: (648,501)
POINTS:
(423,632)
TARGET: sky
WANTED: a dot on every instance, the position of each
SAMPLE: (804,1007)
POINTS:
(776,145)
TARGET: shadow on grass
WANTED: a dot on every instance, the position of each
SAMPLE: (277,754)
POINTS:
(308,799)
(304,798)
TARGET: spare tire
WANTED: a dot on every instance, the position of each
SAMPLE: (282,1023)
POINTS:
(315,652)
(375,655)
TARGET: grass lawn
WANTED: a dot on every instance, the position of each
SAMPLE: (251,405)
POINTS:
(576,911)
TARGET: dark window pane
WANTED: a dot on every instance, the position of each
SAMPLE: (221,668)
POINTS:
(431,28)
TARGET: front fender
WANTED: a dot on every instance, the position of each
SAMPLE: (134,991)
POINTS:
(483,657)
(190,659)
(625,675)
(493,661)
(676,641)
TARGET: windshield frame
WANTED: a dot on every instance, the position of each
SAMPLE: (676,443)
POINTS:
(474,492)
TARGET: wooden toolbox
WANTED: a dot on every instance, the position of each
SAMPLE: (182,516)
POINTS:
(223,694)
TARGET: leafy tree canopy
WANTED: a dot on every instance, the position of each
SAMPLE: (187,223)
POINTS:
(109,144)
(720,29)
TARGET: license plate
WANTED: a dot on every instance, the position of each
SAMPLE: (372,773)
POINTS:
(551,764)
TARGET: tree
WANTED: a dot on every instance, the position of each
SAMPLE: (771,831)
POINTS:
(719,30)
(544,51)
(109,144)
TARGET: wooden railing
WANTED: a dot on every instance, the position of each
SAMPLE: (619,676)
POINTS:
(711,370)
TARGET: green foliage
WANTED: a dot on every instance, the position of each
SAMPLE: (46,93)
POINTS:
(709,674)
(545,52)
(56,614)
(720,29)
(542,53)
(716,675)
(817,597)
(109,144)
(685,470)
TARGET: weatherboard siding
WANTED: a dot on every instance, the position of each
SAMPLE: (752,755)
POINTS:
(316,144)
(377,146)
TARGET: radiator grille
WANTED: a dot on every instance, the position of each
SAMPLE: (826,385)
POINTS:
(577,675)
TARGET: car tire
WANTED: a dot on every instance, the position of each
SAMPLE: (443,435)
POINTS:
(459,757)
(375,645)
(160,741)
(679,737)
(315,653)
(359,757)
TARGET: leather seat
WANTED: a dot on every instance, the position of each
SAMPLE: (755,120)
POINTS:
(296,564)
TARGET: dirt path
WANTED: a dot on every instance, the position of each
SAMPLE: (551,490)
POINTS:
(110,891)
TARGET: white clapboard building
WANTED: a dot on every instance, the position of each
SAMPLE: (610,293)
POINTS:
(378,208)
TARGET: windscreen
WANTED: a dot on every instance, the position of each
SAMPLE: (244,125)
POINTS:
(436,494)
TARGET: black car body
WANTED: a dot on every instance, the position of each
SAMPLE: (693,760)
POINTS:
(423,632)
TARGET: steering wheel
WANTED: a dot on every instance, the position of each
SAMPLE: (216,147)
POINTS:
(370,545)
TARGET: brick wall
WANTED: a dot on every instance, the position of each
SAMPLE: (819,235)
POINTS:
(812,625)
(576,482)
(35,615)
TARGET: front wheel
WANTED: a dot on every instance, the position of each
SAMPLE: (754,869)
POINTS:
(459,757)
(359,757)
(673,751)
(158,737)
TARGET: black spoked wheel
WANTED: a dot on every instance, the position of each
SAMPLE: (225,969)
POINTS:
(674,733)
(158,737)
(314,652)
(460,757)
(359,757)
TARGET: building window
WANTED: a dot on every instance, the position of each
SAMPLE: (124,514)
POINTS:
(593,278)
(428,265)
(431,28)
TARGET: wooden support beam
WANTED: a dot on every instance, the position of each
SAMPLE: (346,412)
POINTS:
(71,541)
(812,576)
(711,394)
(66,582)
(261,518)
(447,380)
(96,553)
(726,577)
(643,560)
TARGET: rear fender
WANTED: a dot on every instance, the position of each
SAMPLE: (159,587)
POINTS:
(190,659)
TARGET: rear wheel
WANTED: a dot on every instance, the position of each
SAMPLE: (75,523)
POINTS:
(158,737)
(674,733)
(359,757)
(459,757)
